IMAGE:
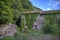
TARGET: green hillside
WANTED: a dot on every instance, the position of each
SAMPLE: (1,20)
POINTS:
(10,10)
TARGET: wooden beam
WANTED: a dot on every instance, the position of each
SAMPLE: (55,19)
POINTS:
(41,12)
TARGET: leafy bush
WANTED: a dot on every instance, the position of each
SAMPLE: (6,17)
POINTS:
(50,25)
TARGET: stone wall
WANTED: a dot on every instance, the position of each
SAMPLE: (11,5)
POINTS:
(38,23)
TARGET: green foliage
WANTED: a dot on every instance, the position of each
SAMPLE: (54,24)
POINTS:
(50,25)
(6,13)
(22,36)
(10,10)
(26,4)
(30,18)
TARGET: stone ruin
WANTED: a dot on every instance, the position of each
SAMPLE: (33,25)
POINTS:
(38,23)
(7,30)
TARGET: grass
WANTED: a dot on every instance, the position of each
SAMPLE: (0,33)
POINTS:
(28,36)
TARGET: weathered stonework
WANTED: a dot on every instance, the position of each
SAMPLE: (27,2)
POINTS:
(38,23)
(23,23)
(8,30)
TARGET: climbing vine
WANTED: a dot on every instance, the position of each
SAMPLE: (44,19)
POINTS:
(30,18)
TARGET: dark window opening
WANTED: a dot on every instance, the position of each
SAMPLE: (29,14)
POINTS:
(18,22)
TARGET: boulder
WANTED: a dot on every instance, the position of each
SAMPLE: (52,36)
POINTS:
(7,30)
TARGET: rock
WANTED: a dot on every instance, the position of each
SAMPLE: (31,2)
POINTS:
(8,30)
(38,23)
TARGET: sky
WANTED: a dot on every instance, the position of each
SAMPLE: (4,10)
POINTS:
(46,4)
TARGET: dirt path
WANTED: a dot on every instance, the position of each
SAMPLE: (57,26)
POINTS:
(44,37)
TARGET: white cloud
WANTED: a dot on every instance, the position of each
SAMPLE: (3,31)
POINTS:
(56,4)
(49,9)
(53,4)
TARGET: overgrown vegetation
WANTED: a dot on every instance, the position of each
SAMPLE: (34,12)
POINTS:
(30,18)
(50,25)
(10,11)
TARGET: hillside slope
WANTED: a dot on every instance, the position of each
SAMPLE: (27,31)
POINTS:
(10,10)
